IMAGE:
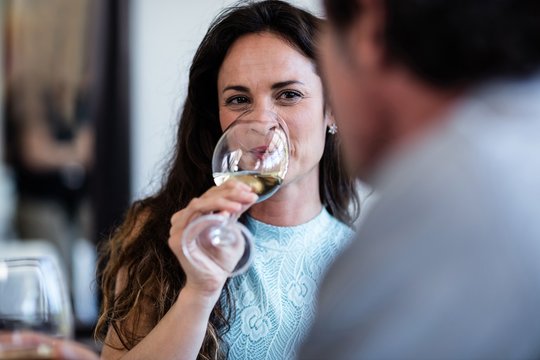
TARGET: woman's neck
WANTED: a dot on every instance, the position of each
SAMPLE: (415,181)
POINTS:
(295,203)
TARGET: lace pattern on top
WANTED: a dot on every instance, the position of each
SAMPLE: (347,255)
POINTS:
(275,299)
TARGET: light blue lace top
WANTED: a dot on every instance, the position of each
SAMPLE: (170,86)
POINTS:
(275,298)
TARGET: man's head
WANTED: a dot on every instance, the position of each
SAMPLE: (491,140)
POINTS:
(393,65)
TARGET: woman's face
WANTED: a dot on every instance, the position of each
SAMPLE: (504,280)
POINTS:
(263,74)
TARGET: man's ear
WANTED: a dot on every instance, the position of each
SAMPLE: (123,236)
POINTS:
(365,40)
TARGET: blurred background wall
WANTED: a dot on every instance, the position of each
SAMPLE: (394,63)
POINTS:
(48,139)
(6,184)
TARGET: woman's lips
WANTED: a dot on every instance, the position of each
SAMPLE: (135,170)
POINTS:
(259,151)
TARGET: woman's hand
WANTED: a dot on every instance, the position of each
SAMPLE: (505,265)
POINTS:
(232,197)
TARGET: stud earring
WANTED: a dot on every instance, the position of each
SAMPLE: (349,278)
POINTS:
(332,129)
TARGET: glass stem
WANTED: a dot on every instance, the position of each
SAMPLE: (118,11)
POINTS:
(235,216)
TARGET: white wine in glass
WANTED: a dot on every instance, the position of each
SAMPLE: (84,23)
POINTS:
(264,185)
(254,151)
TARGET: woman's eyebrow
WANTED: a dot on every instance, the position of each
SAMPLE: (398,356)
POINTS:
(236,88)
(275,86)
(283,84)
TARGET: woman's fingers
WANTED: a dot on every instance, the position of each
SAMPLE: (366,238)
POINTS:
(232,190)
(231,197)
(234,185)
(199,207)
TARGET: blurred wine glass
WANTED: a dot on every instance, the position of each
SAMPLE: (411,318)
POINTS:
(33,297)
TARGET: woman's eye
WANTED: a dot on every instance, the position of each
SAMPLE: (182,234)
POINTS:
(237,100)
(290,96)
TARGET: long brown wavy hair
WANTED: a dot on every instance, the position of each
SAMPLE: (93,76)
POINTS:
(139,247)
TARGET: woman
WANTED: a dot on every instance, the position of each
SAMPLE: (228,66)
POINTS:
(256,57)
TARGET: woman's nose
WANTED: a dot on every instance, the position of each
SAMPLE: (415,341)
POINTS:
(260,114)
(264,117)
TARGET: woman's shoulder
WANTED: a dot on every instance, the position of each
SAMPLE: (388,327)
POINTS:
(336,232)
(336,225)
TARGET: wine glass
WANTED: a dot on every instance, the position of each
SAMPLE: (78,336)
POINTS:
(33,297)
(252,150)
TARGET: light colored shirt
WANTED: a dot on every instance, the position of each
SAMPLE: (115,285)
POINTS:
(275,299)
(447,263)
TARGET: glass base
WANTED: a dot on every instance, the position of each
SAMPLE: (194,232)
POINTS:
(217,243)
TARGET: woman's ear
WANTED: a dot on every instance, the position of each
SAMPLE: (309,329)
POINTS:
(330,122)
(329,116)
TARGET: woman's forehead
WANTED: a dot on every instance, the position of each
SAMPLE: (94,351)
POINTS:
(254,57)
